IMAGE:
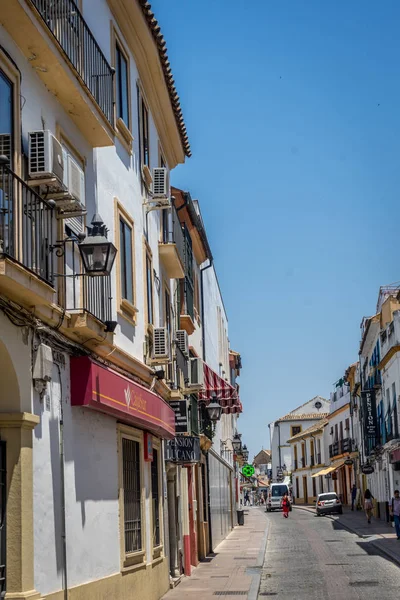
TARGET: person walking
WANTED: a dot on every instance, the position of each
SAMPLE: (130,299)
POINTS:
(368,505)
(353,495)
(246,499)
(395,512)
(285,506)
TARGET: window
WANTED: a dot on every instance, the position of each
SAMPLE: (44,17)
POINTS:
(132,490)
(6,117)
(149,289)
(122,85)
(296,429)
(347,425)
(155,495)
(393,394)
(336,433)
(144,134)
(341,430)
(126,266)
(314,487)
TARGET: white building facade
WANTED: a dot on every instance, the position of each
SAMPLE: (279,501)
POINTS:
(288,426)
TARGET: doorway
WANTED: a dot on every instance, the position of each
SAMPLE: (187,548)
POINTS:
(305,491)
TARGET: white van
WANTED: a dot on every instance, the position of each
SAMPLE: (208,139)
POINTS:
(275,495)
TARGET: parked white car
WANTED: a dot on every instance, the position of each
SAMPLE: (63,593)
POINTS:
(328,503)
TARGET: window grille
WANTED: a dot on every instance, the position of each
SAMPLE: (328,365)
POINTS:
(132,495)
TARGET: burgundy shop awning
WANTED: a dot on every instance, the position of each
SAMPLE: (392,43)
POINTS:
(225,393)
(100,388)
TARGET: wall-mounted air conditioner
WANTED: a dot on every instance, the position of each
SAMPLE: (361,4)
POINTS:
(160,345)
(160,183)
(182,340)
(196,373)
(46,159)
(5,145)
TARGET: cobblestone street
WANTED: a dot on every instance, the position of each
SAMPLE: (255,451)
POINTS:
(311,558)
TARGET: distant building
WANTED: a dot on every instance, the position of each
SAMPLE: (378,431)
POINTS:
(308,456)
(289,425)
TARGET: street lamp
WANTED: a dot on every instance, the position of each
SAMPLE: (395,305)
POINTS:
(237,443)
(97,253)
(245,453)
(214,410)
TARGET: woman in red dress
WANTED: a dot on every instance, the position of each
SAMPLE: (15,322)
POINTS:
(285,506)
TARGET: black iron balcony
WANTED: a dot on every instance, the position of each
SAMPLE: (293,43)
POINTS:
(69,28)
(188,254)
(80,292)
(26,226)
(172,245)
(345,445)
(182,368)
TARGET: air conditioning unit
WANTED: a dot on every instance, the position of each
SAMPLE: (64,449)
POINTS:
(182,340)
(74,180)
(160,183)
(5,145)
(160,345)
(46,158)
(196,373)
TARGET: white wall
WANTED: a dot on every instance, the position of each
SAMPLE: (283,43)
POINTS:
(91,485)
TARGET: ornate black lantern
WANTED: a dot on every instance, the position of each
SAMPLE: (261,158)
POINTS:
(214,410)
(237,443)
(98,254)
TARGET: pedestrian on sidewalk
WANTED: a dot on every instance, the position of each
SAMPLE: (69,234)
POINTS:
(368,505)
(353,495)
(395,512)
(285,506)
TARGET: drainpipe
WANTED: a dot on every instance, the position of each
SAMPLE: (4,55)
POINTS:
(62,477)
(203,329)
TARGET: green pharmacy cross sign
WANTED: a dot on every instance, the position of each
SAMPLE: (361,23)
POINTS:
(248,470)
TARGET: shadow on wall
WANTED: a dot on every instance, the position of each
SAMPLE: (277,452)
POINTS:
(91,444)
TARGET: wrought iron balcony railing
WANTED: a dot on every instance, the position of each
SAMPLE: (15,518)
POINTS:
(173,233)
(26,226)
(80,292)
(69,28)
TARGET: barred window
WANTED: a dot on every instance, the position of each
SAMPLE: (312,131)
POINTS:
(155,499)
(132,495)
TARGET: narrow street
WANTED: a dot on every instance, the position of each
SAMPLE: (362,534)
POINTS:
(311,558)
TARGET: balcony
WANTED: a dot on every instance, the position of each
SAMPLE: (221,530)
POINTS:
(345,445)
(31,274)
(62,50)
(86,298)
(26,235)
(334,449)
(172,246)
(187,306)
(182,369)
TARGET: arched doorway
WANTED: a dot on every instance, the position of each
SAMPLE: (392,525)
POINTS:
(16,473)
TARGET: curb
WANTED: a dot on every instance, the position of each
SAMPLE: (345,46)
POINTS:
(388,553)
(256,577)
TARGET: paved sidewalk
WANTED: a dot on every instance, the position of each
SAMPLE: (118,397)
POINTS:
(236,566)
(379,533)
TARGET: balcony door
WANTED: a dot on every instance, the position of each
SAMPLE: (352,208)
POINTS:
(7,241)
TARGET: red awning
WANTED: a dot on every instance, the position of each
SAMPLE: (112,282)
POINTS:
(225,393)
(100,388)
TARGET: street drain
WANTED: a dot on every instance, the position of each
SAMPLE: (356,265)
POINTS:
(364,583)
(231,593)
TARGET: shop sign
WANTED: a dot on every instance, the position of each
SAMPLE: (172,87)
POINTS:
(97,387)
(369,417)
(248,470)
(181,415)
(367,469)
(183,449)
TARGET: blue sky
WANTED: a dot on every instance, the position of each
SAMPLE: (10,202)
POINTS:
(293,114)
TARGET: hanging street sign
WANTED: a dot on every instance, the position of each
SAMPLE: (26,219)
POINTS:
(248,470)
(348,461)
(183,449)
(367,469)
(181,415)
